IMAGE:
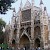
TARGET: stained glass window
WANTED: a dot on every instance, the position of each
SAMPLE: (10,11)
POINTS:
(26,15)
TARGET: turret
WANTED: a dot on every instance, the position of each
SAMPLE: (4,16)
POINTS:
(13,17)
(21,5)
(45,11)
(46,15)
(41,5)
(32,2)
(14,12)
(41,2)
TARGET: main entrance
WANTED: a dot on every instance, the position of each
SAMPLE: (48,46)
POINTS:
(24,42)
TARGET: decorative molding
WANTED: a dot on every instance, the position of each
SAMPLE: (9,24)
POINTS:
(27,6)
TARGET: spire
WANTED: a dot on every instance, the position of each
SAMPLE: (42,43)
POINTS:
(32,2)
(41,2)
(14,12)
(21,5)
(45,11)
(41,5)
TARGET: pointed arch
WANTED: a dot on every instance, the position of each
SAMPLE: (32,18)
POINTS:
(37,32)
(24,41)
(25,33)
(13,42)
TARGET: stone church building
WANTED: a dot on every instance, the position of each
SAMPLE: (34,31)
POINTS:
(29,27)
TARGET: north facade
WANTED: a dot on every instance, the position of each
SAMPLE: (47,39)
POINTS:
(29,27)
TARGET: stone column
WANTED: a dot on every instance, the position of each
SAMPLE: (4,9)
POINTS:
(18,28)
(10,37)
(32,26)
(17,35)
(46,37)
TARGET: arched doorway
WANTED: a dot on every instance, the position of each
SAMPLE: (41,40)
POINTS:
(37,43)
(24,42)
(13,43)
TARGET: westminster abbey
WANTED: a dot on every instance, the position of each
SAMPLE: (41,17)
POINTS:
(29,27)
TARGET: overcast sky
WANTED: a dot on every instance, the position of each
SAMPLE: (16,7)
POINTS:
(8,16)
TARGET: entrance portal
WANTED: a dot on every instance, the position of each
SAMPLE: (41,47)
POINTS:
(24,42)
(37,43)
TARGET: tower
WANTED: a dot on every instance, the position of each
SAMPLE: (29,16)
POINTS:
(12,34)
(44,25)
(32,22)
(41,5)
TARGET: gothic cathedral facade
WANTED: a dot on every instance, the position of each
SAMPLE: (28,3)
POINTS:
(29,26)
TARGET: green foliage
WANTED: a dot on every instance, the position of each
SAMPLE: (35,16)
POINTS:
(2,24)
(5,5)
(4,46)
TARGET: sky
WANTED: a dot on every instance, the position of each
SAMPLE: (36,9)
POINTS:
(7,17)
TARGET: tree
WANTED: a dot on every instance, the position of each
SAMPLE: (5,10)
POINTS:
(5,5)
(2,24)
